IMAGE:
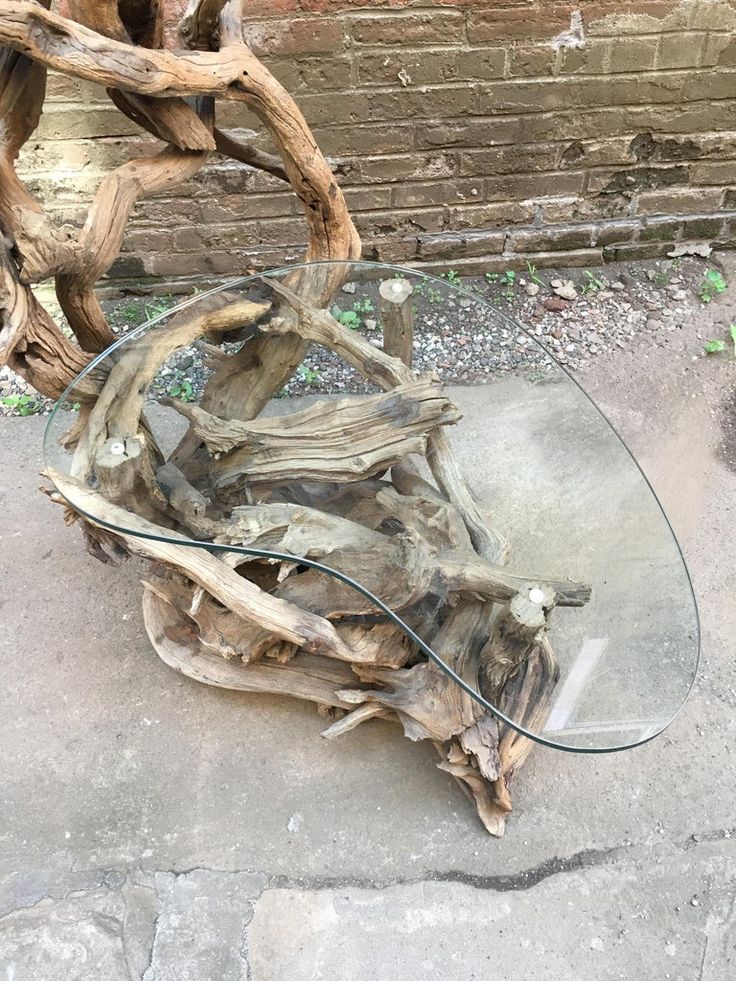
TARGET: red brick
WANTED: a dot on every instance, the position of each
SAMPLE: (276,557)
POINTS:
(522,187)
(429,27)
(681,50)
(511,159)
(491,215)
(452,244)
(636,18)
(407,68)
(509,25)
(302,36)
(377,138)
(419,195)
(482,63)
(676,201)
(532,60)
(633,54)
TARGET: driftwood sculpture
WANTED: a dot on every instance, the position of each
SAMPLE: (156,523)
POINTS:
(333,483)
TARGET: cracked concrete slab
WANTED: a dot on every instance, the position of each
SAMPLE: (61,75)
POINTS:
(119,774)
(666,919)
(71,939)
(199,933)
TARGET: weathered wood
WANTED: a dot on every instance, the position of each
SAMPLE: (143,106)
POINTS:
(397,318)
(198,26)
(321,327)
(345,440)
(519,629)
(114,451)
(250,155)
(310,677)
(101,237)
(300,488)
(171,120)
(145,538)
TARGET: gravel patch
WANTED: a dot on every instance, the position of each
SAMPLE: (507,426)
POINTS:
(576,315)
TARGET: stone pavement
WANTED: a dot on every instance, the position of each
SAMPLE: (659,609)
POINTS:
(155,829)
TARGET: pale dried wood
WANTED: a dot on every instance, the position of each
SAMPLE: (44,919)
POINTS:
(355,718)
(519,628)
(30,342)
(198,26)
(320,327)
(171,120)
(310,677)
(250,155)
(234,620)
(180,494)
(218,630)
(430,705)
(343,440)
(128,475)
(397,318)
(102,235)
(398,568)
(144,537)
(491,813)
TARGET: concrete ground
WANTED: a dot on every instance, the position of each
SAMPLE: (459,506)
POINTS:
(155,829)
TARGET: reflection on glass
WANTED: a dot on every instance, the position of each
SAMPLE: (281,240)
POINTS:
(499,530)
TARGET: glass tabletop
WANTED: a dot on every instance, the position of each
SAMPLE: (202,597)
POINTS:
(476,513)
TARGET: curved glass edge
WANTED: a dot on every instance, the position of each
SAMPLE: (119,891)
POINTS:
(342,577)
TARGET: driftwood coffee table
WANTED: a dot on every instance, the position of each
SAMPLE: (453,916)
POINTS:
(332,549)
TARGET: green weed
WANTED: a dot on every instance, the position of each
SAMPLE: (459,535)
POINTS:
(714,347)
(348,318)
(712,285)
(592,283)
(363,306)
(182,390)
(26,405)
(718,346)
(532,270)
(308,375)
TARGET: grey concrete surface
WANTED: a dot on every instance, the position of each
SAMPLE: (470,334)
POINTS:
(153,829)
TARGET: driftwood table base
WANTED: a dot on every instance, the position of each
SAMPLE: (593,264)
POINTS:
(336,554)
(421,619)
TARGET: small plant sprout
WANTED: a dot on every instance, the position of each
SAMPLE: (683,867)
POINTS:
(532,270)
(363,306)
(182,390)
(509,278)
(452,277)
(713,285)
(717,347)
(348,318)
(26,405)
(714,347)
(309,375)
(491,277)
(592,283)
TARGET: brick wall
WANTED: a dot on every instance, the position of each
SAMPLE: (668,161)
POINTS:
(475,134)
